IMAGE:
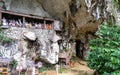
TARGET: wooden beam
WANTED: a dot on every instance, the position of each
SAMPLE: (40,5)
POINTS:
(26,15)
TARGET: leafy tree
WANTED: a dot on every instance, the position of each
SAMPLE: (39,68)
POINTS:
(104,56)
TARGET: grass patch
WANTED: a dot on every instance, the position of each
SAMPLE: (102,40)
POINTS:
(46,67)
(62,70)
(4,38)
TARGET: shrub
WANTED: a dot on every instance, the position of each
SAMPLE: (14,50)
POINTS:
(46,66)
(104,56)
(3,37)
(14,63)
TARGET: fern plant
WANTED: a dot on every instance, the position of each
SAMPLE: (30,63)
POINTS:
(104,56)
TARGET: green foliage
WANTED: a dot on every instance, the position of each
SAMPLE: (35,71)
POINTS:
(115,2)
(46,66)
(3,37)
(62,70)
(14,63)
(105,50)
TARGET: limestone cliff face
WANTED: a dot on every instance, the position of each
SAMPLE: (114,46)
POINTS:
(26,6)
(80,18)
(56,8)
(77,15)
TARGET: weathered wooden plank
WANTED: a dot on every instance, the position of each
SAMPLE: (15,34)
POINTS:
(26,15)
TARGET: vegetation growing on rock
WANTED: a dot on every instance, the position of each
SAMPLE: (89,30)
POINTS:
(3,37)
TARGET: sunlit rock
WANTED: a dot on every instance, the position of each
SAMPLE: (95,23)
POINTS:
(30,35)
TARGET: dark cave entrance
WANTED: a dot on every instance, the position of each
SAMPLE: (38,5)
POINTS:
(79,49)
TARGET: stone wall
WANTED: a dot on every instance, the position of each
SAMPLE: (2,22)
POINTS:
(44,47)
(23,48)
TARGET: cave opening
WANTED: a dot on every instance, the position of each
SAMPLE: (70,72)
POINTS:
(79,49)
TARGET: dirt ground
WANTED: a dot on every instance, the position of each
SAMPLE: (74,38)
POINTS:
(75,68)
(79,68)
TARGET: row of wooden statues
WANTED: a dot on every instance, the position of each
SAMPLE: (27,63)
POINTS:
(19,23)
